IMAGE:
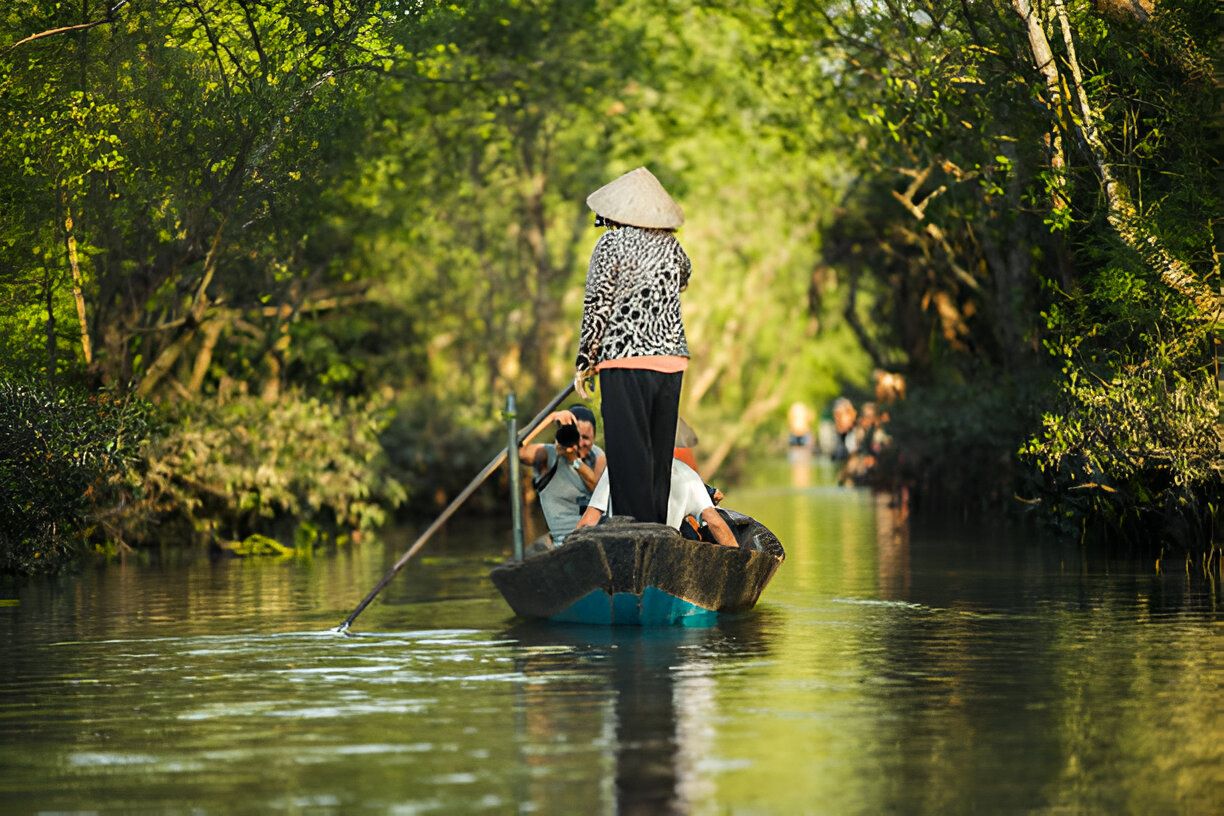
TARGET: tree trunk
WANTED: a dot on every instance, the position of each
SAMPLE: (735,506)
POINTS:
(545,311)
(169,355)
(1043,56)
(212,333)
(1008,263)
(766,397)
(1123,217)
(52,361)
(865,340)
(275,359)
(78,293)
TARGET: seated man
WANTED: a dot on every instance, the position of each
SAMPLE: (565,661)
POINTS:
(565,473)
(688,497)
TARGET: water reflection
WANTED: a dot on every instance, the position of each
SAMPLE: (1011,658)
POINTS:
(892,545)
(893,665)
(663,710)
(800,460)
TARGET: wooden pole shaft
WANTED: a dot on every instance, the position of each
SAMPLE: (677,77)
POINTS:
(455,504)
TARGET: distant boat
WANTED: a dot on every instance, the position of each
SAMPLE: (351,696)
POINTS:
(622,572)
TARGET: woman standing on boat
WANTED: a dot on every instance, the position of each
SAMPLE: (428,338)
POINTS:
(633,336)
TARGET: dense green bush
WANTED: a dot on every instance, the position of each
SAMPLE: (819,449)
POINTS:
(1136,450)
(64,454)
(80,469)
(956,443)
(435,449)
(292,469)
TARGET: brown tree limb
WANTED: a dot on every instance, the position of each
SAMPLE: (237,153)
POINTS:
(918,210)
(171,353)
(1122,215)
(866,342)
(1043,57)
(264,65)
(212,333)
(165,361)
(77,284)
(766,397)
(51,32)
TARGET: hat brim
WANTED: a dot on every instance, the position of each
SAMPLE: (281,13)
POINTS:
(637,199)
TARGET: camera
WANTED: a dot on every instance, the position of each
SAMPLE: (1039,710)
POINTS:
(567,436)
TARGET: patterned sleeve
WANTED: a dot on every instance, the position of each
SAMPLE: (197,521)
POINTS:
(685,266)
(597,303)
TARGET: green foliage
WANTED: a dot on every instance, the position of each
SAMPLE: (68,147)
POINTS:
(64,454)
(1133,443)
(976,235)
(1139,453)
(956,443)
(370,199)
(435,448)
(256,544)
(282,469)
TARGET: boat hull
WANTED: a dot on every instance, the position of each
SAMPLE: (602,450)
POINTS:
(625,573)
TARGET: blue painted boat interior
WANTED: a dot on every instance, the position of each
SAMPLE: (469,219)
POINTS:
(653,608)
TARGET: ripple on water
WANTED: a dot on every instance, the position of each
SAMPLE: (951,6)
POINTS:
(873,678)
(97,759)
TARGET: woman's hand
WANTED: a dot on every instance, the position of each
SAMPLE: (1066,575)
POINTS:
(580,387)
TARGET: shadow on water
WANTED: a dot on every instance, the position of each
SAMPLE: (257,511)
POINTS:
(662,689)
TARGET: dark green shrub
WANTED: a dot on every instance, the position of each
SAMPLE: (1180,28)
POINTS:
(1137,455)
(435,449)
(245,467)
(63,458)
(956,444)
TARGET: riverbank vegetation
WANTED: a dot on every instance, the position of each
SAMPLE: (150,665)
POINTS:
(299,251)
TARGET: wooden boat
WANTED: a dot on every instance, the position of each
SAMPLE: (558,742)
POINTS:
(623,572)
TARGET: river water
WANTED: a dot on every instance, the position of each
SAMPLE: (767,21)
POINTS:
(890,668)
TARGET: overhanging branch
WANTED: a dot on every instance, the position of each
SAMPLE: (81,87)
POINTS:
(51,32)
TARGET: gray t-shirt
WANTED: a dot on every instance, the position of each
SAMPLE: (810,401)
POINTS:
(565,496)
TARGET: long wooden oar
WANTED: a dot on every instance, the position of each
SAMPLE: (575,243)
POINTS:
(453,506)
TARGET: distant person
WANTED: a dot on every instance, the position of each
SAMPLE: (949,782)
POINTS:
(687,496)
(632,334)
(565,472)
(889,387)
(865,443)
(844,419)
(799,422)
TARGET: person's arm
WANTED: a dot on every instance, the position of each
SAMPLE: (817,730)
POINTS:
(597,302)
(590,475)
(598,505)
(685,265)
(718,527)
(533,454)
(590,517)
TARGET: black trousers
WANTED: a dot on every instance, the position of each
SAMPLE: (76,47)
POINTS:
(639,418)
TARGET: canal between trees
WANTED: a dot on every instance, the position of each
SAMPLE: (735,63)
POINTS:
(946,668)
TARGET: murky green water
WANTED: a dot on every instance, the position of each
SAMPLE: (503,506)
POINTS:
(886,671)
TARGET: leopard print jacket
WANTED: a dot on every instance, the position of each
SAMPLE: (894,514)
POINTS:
(632,303)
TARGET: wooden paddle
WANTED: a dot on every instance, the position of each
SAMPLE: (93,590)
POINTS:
(453,506)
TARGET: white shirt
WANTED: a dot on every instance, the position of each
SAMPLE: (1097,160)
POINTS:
(687,497)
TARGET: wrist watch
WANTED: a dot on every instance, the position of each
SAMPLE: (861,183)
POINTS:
(576,465)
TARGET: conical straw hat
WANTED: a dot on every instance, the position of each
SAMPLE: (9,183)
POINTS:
(637,198)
